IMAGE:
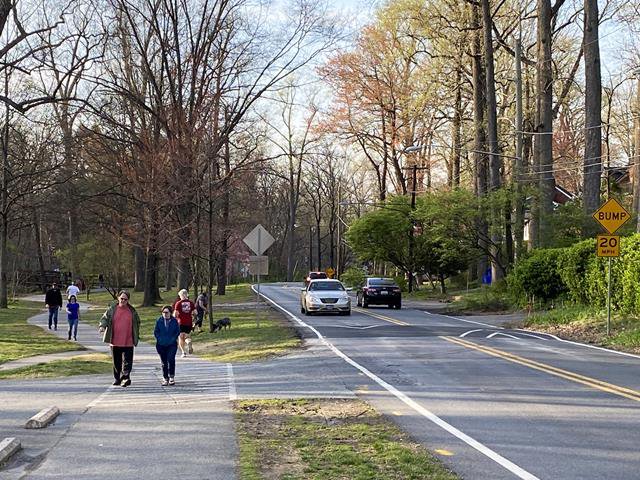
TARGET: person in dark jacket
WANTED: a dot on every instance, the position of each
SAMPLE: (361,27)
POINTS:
(167,332)
(53,301)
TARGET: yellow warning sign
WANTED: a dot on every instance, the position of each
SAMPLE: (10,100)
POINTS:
(330,272)
(608,246)
(611,215)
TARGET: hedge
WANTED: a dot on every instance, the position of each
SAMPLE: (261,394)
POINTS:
(576,273)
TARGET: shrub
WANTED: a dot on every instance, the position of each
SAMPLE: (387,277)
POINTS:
(402,282)
(353,276)
(573,264)
(537,276)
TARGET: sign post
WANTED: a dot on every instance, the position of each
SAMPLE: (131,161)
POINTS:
(259,240)
(611,216)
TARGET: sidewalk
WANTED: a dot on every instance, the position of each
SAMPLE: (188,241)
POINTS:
(104,428)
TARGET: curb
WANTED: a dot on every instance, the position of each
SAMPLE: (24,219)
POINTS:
(8,447)
(43,418)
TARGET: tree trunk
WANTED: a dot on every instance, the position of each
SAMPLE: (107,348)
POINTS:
(543,153)
(592,115)
(168,273)
(140,261)
(38,242)
(184,273)
(495,163)
(151,289)
(454,169)
(518,167)
(479,138)
(636,152)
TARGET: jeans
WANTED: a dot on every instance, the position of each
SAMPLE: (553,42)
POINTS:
(73,325)
(53,315)
(168,359)
(122,362)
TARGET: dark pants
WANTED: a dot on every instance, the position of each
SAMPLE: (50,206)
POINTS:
(53,316)
(168,358)
(122,361)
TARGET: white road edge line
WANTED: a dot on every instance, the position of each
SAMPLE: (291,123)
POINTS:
(531,335)
(232,383)
(496,457)
(503,334)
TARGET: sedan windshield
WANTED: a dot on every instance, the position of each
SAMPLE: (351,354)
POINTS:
(324,286)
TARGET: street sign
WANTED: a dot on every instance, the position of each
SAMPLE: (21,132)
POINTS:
(330,272)
(608,246)
(611,215)
(259,265)
(258,240)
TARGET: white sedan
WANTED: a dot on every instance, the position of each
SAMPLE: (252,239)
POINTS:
(324,295)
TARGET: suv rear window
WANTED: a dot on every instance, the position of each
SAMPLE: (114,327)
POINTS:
(387,282)
(315,275)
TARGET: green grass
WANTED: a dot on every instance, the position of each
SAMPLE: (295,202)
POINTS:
(18,339)
(327,440)
(90,364)
(244,342)
(237,293)
(588,324)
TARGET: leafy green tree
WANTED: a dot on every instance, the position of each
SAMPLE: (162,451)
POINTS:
(444,228)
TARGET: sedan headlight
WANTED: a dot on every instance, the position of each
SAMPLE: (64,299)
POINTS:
(313,300)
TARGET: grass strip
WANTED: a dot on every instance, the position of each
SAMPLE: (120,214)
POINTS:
(327,439)
(243,342)
(18,339)
(90,364)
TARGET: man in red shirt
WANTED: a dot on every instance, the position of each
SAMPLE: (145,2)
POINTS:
(184,310)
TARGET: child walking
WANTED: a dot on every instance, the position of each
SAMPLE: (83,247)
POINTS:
(73,317)
(167,332)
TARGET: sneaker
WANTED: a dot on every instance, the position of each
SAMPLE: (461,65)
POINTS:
(126,382)
(49,327)
(172,381)
(116,382)
(75,339)
(165,382)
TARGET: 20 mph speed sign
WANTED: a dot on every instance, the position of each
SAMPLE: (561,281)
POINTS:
(608,246)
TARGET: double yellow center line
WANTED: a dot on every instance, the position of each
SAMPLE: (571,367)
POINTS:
(382,317)
(558,372)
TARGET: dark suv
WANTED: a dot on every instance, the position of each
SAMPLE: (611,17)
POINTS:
(379,291)
(315,276)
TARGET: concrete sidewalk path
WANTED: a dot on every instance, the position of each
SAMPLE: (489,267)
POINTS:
(144,431)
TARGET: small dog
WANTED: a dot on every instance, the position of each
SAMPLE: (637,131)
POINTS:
(222,324)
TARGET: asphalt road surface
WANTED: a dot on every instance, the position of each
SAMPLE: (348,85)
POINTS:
(494,403)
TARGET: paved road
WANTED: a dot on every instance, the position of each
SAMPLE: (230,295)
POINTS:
(495,403)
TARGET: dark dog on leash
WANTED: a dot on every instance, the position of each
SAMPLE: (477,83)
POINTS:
(222,324)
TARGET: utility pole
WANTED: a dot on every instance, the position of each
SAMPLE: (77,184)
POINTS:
(411,232)
(310,249)
(635,160)
(518,170)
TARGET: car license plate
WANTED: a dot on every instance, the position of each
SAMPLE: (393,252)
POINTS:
(384,292)
(330,307)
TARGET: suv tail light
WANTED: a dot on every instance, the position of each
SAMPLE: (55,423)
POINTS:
(396,290)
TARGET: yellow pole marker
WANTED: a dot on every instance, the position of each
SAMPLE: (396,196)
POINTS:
(558,372)
(441,451)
